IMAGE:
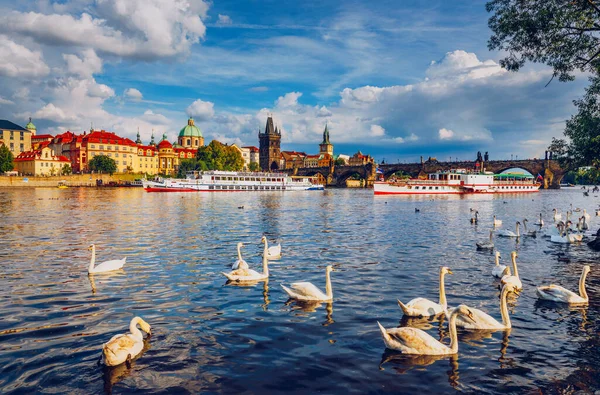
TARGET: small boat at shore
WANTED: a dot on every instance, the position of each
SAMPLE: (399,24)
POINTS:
(458,181)
(231,181)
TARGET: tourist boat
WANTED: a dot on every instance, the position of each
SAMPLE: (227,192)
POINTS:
(458,181)
(231,181)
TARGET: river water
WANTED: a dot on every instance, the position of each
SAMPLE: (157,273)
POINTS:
(212,337)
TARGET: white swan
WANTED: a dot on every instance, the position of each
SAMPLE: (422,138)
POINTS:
(582,225)
(497,222)
(486,245)
(530,233)
(556,293)
(514,278)
(273,252)
(104,267)
(240,263)
(499,270)
(249,275)
(124,347)
(415,341)
(421,307)
(557,215)
(510,233)
(483,321)
(540,222)
(306,291)
(564,236)
(587,216)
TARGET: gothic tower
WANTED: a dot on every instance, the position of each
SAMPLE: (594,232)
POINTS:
(326,147)
(270,147)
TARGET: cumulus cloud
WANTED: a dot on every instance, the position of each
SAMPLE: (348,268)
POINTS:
(5,101)
(445,134)
(155,118)
(201,110)
(288,100)
(377,131)
(133,94)
(85,66)
(224,20)
(19,61)
(52,113)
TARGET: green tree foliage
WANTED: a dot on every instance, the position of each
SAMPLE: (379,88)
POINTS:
(66,170)
(218,156)
(254,166)
(340,162)
(103,163)
(560,33)
(190,165)
(6,159)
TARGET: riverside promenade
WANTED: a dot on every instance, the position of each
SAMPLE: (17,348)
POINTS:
(73,180)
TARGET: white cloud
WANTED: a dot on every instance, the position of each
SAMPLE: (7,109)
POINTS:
(288,100)
(201,110)
(133,94)
(323,112)
(224,20)
(5,101)
(377,131)
(19,61)
(86,66)
(446,134)
(52,113)
(258,89)
(154,118)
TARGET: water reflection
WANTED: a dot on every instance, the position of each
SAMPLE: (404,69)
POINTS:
(311,307)
(112,375)
(403,363)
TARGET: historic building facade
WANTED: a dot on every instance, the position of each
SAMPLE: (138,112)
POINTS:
(16,138)
(40,162)
(270,147)
(190,136)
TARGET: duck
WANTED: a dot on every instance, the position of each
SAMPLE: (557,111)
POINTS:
(418,342)
(497,222)
(307,292)
(499,270)
(529,233)
(540,222)
(103,267)
(510,233)
(125,347)
(557,216)
(240,263)
(421,307)
(273,252)
(514,278)
(486,245)
(556,293)
(475,218)
(483,321)
(249,275)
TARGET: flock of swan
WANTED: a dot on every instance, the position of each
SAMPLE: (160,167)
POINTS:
(124,347)
(414,341)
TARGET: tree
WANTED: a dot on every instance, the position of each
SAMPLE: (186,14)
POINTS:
(190,165)
(254,166)
(560,33)
(340,162)
(103,163)
(66,169)
(6,159)
(218,156)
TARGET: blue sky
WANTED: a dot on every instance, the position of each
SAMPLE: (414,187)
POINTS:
(393,79)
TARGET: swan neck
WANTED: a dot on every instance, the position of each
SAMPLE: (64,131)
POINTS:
(328,289)
(134,329)
(504,308)
(453,335)
(497,260)
(442,290)
(518,230)
(265,261)
(239,248)
(514,265)
(582,291)
(93,260)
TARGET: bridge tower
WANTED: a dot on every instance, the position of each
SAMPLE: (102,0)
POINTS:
(270,147)
(326,148)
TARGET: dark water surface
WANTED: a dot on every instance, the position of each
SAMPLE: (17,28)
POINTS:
(211,337)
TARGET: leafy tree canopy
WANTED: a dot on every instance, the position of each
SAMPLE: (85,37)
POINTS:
(66,170)
(340,162)
(218,156)
(560,33)
(254,166)
(103,163)
(6,159)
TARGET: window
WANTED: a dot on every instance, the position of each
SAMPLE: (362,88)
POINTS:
(21,147)
(116,154)
(109,155)
(189,142)
(12,135)
(124,163)
(21,135)
(101,147)
(93,146)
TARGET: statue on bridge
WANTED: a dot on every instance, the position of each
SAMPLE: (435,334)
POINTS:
(486,157)
(479,158)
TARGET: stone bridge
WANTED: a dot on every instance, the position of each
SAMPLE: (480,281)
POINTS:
(550,170)
(336,176)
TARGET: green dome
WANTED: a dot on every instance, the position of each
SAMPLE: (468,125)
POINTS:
(190,130)
(30,125)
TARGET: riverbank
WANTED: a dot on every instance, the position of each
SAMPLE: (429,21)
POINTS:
(73,180)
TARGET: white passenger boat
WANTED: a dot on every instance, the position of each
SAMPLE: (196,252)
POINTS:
(458,181)
(231,181)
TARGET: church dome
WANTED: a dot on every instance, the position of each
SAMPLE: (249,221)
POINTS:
(190,130)
(164,144)
(30,125)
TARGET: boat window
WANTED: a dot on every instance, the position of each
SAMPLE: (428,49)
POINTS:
(430,187)
(436,188)
(211,187)
(231,187)
(235,179)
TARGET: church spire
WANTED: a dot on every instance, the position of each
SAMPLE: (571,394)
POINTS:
(152,138)
(326,135)
(138,140)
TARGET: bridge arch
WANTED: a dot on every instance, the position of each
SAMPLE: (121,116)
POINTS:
(343,176)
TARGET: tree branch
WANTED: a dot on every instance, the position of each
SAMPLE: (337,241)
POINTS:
(594,6)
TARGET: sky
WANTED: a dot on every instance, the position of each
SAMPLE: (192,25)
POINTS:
(393,79)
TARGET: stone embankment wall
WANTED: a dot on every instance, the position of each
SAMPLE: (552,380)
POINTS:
(75,180)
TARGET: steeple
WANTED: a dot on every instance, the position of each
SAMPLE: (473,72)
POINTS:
(326,136)
(165,136)
(138,140)
(152,138)
(269,129)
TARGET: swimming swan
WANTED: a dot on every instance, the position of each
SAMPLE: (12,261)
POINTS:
(497,222)
(249,275)
(484,321)
(421,307)
(499,270)
(124,347)
(513,279)
(540,222)
(557,215)
(240,263)
(273,252)
(306,291)
(104,267)
(530,233)
(415,341)
(510,233)
(556,293)
(486,245)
